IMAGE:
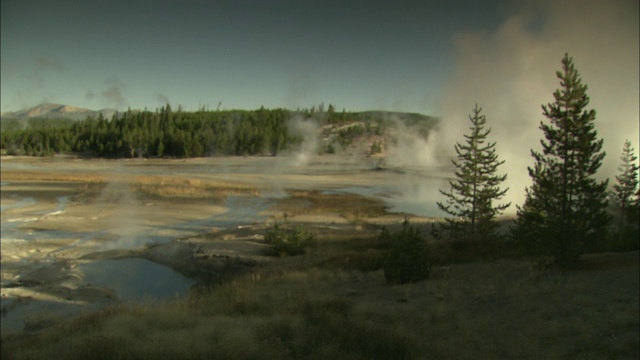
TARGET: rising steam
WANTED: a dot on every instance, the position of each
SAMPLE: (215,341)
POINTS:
(410,148)
(112,95)
(510,73)
(307,130)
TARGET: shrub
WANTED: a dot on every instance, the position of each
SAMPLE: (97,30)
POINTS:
(407,260)
(286,242)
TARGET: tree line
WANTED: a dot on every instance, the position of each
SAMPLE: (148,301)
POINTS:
(163,132)
(176,133)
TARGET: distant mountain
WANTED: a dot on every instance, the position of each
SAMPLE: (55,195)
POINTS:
(56,111)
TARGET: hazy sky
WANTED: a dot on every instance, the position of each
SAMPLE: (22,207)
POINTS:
(433,57)
(358,55)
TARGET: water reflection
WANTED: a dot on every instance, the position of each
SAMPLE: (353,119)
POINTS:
(136,279)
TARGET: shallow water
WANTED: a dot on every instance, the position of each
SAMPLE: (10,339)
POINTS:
(9,231)
(420,200)
(23,202)
(409,190)
(241,210)
(136,279)
(11,226)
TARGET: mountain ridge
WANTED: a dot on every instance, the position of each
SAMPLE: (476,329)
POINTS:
(61,111)
(56,111)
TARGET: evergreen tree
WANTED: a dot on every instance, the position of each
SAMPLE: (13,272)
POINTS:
(625,193)
(471,198)
(564,211)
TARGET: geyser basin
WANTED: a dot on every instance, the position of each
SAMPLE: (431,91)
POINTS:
(136,279)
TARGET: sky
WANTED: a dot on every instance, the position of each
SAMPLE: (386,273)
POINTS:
(357,55)
(437,58)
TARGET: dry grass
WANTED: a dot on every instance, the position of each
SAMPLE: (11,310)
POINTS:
(484,310)
(166,186)
(157,186)
(352,207)
(27,175)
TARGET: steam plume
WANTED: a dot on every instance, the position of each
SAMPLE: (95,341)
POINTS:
(162,98)
(301,86)
(409,142)
(33,87)
(308,130)
(112,94)
(510,73)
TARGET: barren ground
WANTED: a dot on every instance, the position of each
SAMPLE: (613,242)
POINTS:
(191,215)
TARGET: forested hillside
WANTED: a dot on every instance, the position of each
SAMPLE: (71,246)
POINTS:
(169,133)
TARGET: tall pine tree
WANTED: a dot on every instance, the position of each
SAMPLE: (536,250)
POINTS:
(625,192)
(470,201)
(564,213)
